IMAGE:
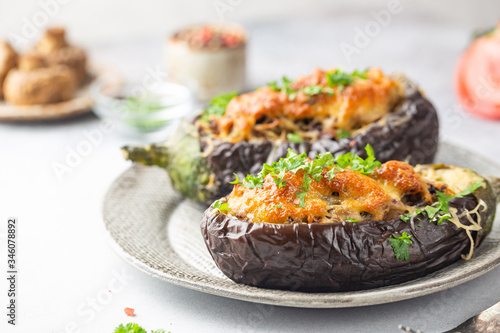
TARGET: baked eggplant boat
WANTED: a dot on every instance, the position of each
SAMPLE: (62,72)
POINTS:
(347,223)
(326,111)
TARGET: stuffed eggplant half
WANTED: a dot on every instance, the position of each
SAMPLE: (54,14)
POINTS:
(346,223)
(326,111)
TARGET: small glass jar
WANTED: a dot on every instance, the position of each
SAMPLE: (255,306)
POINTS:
(212,54)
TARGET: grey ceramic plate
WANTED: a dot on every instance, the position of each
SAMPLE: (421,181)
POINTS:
(157,231)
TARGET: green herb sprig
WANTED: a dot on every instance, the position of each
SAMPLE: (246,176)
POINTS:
(337,78)
(342,133)
(217,106)
(341,79)
(294,137)
(400,246)
(134,328)
(440,211)
(221,206)
(313,170)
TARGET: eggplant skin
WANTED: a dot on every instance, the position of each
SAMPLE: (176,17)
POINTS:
(410,134)
(330,257)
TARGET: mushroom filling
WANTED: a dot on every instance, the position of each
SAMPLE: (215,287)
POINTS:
(324,104)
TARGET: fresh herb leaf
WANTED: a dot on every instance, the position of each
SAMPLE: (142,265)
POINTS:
(130,328)
(431,211)
(470,189)
(294,137)
(341,79)
(442,208)
(342,133)
(359,74)
(236,181)
(355,163)
(134,328)
(443,218)
(301,196)
(313,90)
(221,206)
(406,217)
(273,85)
(217,106)
(420,225)
(277,206)
(337,78)
(400,246)
(351,220)
(253,182)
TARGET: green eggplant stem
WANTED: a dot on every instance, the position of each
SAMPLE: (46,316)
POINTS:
(147,155)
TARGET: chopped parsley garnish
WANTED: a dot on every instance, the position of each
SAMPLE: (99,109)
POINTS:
(285,87)
(313,170)
(400,246)
(337,78)
(420,225)
(351,220)
(221,206)
(341,79)
(134,328)
(355,163)
(294,137)
(277,206)
(342,133)
(406,217)
(217,106)
(440,212)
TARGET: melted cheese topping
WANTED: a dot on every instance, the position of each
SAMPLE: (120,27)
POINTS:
(388,192)
(359,104)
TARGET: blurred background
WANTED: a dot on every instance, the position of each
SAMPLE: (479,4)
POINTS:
(94,21)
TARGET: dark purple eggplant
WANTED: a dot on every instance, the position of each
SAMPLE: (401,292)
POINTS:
(202,173)
(344,256)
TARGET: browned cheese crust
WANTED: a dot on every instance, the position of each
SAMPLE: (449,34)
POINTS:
(389,191)
(349,108)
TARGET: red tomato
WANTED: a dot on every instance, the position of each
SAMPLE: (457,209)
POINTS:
(477,79)
(129,312)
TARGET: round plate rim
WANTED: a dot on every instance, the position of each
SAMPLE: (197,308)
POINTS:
(408,290)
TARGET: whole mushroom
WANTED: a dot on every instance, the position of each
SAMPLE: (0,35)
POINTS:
(8,60)
(33,82)
(55,50)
